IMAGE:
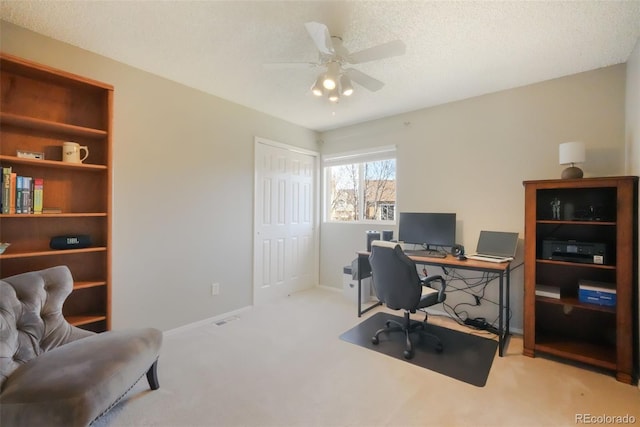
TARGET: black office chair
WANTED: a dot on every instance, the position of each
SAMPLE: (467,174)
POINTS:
(398,285)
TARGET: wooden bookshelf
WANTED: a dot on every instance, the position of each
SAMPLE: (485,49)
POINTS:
(40,108)
(602,210)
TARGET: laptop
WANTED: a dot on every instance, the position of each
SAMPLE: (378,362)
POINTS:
(496,246)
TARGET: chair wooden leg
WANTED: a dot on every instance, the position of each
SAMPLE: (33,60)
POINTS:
(152,376)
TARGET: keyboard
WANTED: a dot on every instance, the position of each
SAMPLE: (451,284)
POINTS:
(489,258)
(426,253)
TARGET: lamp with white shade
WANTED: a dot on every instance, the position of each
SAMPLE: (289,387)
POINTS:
(570,154)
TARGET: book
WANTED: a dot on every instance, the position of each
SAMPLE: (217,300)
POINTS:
(18,195)
(27,206)
(593,285)
(548,291)
(12,192)
(595,292)
(51,210)
(6,195)
(38,193)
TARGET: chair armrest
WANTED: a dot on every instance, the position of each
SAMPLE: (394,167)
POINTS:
(428,281)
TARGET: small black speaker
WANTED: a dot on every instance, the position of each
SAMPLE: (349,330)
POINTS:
(72,241)
(457,250)
(371,236)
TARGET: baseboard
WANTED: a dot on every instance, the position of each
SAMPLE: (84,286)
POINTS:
(329,288)
(207,321)
(220,317)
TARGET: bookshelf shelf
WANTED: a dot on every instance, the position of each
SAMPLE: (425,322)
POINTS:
(87,285)
(51,164)
(576,222)
(580,351)
(574,302)
(47,126)
(85,320)
(576,265)
(51,252)
(57,215)
(40,109)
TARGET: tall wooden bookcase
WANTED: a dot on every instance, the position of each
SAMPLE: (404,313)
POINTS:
(40,108)
(591,210)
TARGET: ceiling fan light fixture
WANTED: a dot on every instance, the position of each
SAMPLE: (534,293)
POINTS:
(345,85)
(316,89)
(335,81)
(334,96)
(330,81)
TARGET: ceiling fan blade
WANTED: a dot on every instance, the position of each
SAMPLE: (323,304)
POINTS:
(320,35)
(381,51)
(290,65)
(364,80)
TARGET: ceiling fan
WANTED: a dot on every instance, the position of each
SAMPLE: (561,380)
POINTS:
(335,80)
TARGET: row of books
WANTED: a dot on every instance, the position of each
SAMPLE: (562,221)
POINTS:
(21,194)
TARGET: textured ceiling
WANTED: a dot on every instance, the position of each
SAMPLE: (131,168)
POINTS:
(454,50)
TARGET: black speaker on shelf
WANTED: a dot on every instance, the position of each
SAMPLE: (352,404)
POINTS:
(457,250)
(72,241)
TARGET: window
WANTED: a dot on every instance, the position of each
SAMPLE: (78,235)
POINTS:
(360,186)
(387,212)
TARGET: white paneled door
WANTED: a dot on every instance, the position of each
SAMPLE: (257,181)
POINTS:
(285,239)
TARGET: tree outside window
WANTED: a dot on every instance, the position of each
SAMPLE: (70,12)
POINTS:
(362,191)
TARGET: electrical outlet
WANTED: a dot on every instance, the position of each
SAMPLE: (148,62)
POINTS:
(215,288)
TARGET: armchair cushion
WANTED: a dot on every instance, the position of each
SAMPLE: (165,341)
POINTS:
(74,384)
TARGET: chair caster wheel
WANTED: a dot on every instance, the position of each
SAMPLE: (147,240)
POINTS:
(408,354)
(374,340)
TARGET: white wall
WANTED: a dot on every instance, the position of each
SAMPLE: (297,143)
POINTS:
(471,157)
(633,132)
(183,188)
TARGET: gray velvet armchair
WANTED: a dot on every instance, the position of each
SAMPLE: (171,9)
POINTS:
(55,374)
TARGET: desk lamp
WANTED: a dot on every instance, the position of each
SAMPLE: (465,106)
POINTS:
(571,153)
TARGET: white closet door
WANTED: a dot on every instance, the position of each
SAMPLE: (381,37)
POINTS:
(285,240)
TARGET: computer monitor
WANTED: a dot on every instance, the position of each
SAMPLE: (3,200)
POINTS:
(427,229)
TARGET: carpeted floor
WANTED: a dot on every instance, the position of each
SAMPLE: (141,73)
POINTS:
(283,364)
(465,357)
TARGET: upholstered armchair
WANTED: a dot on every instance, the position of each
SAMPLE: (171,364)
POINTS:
(53,373)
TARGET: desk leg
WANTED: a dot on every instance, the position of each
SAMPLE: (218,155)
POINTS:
(508,303)
(362,259)
(501,317)
(505,308)
(359,285)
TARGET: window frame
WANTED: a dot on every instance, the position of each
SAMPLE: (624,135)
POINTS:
(359,157)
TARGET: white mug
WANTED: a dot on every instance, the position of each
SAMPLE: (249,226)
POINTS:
(71,152)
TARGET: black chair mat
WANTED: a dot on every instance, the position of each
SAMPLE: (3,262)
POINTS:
(465,357)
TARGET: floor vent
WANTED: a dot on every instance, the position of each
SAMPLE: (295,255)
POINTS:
(225,321)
